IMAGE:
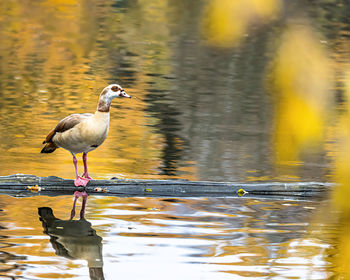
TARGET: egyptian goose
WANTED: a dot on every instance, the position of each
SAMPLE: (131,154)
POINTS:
(82,133)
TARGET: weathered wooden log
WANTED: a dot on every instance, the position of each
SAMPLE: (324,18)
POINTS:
(20,184)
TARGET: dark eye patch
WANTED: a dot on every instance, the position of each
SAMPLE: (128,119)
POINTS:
(115,88)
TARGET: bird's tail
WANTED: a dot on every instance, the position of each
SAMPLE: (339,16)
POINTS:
(49,148)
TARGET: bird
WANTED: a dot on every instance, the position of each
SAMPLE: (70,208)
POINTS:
(83,133)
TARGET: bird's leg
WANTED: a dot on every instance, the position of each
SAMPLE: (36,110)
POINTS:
(79,181)
(86,172)
(82,211)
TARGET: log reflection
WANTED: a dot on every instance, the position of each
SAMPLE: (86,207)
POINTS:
(74,239)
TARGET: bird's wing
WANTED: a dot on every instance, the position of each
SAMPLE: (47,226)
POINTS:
(66,124)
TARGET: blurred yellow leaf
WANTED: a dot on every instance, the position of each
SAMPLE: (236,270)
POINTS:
(301,81)
(226,22)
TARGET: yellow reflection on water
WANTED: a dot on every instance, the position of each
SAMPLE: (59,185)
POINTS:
(130,149)
(225,23)
(301,80)
(235,236)
(341,155)
(56,66)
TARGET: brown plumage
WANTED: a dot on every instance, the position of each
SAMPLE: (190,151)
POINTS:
(64,125)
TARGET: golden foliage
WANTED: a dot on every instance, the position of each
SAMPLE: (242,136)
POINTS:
(226,22)
(300,76)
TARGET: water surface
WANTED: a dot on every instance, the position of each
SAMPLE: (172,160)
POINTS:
(226,91)
(203,111)
(153,238)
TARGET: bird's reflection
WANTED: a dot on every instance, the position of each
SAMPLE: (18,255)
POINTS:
(74,239)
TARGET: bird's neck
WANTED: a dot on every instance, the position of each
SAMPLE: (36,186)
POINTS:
(101,116)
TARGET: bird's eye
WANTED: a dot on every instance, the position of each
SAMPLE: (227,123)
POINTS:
(115,88)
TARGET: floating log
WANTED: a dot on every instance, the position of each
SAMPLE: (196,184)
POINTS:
(24,185)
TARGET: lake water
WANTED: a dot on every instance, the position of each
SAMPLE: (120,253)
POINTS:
(225,91)
(157,238)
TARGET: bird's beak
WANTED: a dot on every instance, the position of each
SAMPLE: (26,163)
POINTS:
(124,94)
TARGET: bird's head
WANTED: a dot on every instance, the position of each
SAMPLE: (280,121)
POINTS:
(108,94)
(113,91)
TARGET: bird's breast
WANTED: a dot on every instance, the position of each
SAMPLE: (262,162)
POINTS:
(85,136)
(94,131)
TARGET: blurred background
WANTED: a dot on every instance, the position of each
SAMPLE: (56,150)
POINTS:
(227,90)
(254,90)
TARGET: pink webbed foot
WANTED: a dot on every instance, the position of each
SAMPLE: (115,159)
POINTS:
(80,181)
(86,175)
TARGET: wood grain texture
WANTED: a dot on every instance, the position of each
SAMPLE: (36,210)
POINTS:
(17,185)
